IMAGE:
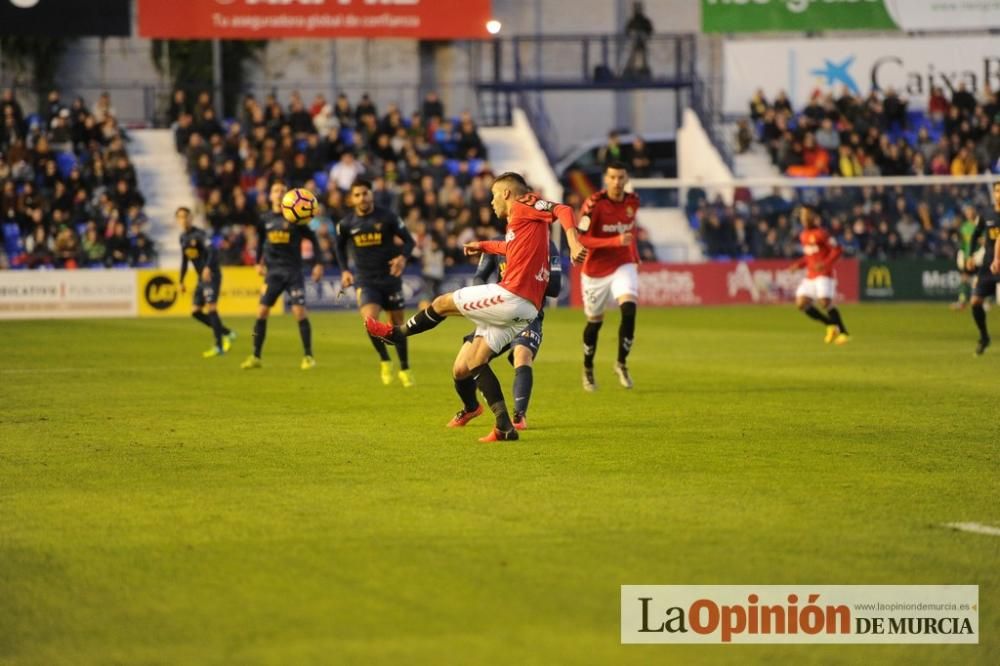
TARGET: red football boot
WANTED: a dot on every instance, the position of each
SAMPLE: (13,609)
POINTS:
(379,329)
(497,435)
(520,422)
(464,416)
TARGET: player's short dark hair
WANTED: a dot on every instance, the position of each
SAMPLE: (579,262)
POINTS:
(183,209)
(515,180)
(616,164)
(811,207)
(362,182)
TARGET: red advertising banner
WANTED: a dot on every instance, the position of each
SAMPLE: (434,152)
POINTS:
(727,283)
(269,19)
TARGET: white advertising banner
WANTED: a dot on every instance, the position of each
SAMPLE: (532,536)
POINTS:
(67,294)
(912,66)
(944,14)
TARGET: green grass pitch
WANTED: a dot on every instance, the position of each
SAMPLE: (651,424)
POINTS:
(158,508)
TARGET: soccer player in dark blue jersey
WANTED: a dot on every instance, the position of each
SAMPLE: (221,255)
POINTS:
(280,261)
(371,233)
(197,250)
(986,280)
(521,351)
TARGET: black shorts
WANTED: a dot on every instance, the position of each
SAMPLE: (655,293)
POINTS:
(279,283)
(388,296)
(530,337)
(986,285)
(207,293)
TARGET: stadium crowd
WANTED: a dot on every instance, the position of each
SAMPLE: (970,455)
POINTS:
(849,136)
(427,166)
(68,191)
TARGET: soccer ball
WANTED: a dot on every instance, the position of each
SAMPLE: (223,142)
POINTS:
(299,205)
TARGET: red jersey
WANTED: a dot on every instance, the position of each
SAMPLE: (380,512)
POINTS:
(820,252)
(527,245)
(602,221)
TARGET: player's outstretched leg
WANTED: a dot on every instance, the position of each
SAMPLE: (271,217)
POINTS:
(979,316)
(423,321)
(626,335)
(590,333)
(489,386)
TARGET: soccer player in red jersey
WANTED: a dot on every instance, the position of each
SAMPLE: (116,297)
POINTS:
(500,310)
(611,270)
(820,253)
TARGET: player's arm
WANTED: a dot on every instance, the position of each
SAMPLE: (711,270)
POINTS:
(184,267)
(486,267)
(317,258)
(564,214)
(398,263)
(995,265)
(261,240)
(340,249)
(970,262)
(211,261)
(555,272)
(489,247)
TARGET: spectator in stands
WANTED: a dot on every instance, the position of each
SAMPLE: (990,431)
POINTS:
(612,150)
(343,112)
(963,99)
(964,163)
(639,30)
(346,171)
(639,158)
(117,248)
(432,107)
(39,247)
(647,252)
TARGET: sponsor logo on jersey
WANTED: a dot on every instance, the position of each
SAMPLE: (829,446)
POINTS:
(368,239)
(618,228)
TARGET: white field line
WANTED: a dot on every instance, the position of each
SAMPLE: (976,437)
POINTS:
(977,528)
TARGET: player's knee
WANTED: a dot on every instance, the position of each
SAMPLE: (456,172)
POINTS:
(824,303)
(443,304)
(803,303)
(461,369)
(263,312)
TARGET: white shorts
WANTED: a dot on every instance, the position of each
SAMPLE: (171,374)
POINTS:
(498,314)
(597,291)
(816,288)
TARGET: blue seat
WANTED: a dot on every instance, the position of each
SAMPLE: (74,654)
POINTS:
(347,136)
(322,179)
(66,162)
(13,244)
(81,229)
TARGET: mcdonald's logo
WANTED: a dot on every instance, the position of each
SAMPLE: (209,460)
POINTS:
(879,277)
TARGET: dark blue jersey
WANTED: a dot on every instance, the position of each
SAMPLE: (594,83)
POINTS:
(990,230)
(196,249)
(372,239)
(494,265)
(281,244)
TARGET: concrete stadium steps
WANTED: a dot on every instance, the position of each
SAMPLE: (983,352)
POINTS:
(516,148)
(671,234)
(166,185)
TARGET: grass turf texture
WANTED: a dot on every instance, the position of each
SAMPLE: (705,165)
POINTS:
(156,507)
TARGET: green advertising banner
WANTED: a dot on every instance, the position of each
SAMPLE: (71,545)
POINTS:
(909,280)
(815,15)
